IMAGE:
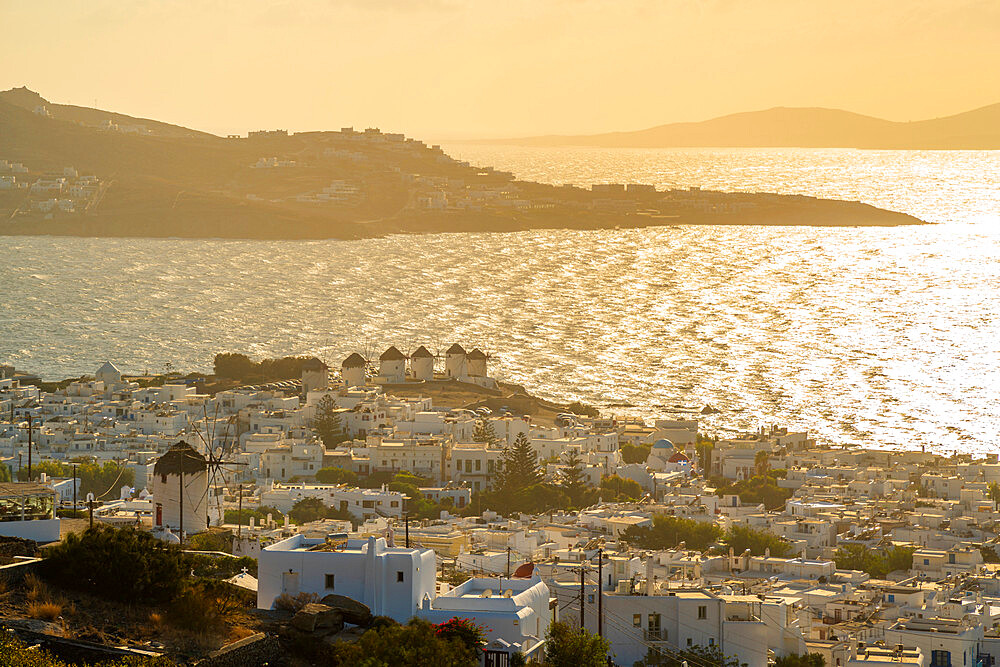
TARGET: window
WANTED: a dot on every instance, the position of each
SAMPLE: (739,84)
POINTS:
(479,466)
(927,561)
(689,641)
(951,558)
(590,599)
(458,465)
(637,620)
(399,576)
(329,582)
(653,630)
(940,658)
(711,641)
(394,503)
(892,597)
(702,612)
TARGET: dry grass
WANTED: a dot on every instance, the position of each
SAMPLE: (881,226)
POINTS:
(35,589)
(46,611)
(156,622)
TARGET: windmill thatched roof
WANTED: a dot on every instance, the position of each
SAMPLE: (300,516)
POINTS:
(477,354)
(456,349)
(180,456)
(354,361)
(392,354)
(421,353)
(313,364)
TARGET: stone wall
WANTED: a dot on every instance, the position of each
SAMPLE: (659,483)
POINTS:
(252,651)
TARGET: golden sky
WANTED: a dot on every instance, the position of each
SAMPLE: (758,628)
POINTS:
(453,68)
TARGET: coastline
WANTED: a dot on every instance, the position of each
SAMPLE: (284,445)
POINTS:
(775,211)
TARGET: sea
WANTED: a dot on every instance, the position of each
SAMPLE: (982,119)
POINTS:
(875,337)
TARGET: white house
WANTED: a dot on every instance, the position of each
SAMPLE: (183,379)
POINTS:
(27,510)
(514,611)
(391,581)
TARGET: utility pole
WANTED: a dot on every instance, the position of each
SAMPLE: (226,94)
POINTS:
(508,562)
(74,489)
(583,600)
(29,446)
(600,594)
(406,520)
(239,514)
(180,532)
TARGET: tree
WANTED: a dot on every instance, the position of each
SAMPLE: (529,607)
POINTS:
(571,478)
(567,646)
(234,366)
(762,489)
(994,492)
(669,531)
(876,562)
(619,489)
(740,538)
(485,433)
(634,453)
(335,475)
(416,644)
(5,473)
(326,423)
(519,466)
(104,481)
(578,408)
(761,462)
(259,515)
(120,563)
(801,660)
(702,656)
(704,449)
(308,510)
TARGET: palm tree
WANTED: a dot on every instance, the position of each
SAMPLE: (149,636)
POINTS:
(994,493)
(761,462)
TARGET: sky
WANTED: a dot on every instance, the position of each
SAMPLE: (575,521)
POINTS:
(443,69)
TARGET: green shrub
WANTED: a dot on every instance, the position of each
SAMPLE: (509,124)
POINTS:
(120,563)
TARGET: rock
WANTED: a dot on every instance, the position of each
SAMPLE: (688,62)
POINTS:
(350,610)
(35,625)
(315,617)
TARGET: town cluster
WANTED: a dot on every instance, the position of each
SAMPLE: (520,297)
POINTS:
(50,193)
(762,545)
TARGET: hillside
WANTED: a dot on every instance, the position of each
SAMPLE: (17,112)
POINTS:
(30,100)
(804,128)
(68,171)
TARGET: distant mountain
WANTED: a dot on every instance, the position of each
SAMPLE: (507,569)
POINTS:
(801,127)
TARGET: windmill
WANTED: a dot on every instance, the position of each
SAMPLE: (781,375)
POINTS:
(216,453)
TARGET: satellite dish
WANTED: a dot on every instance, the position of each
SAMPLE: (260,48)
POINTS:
(487,593)
(90,497)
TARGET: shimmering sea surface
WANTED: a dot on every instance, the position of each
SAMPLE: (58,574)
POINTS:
(878,337)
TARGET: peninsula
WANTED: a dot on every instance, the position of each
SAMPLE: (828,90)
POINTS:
(800,128)
(67,170)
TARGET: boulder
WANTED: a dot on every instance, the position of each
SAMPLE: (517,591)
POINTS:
(350,610)
(315,617)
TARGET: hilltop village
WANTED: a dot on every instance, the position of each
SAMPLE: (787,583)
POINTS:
(357,484)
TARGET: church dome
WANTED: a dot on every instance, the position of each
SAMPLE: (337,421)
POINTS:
(663,443)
